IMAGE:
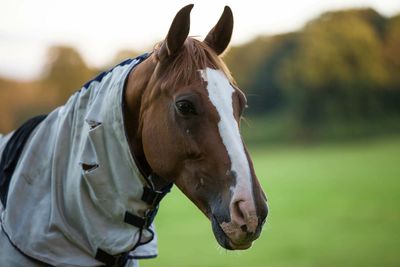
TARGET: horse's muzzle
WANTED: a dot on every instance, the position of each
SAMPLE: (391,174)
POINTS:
(233,236)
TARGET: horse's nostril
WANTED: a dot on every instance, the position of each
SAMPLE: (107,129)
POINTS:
(244,215)
(237,213)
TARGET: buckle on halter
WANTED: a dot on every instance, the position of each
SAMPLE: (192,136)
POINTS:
(151,197)
(134,220)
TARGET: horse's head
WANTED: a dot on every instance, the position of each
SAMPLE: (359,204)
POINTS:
(188,115)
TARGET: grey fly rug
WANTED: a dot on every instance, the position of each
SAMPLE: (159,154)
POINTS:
(76,196)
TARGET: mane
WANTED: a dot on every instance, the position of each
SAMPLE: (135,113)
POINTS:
(194,56)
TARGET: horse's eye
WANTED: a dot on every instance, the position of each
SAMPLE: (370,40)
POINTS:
(185,107)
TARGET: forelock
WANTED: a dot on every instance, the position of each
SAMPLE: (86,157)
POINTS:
(194,56)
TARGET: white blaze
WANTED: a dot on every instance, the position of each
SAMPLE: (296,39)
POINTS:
(220,92)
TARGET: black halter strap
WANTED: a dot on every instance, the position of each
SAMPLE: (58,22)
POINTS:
(152,198)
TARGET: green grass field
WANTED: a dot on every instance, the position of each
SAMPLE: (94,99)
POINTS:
(330,205)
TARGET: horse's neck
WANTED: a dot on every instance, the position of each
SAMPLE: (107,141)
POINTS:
(135,92)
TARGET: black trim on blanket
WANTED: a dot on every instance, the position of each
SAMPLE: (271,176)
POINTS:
(23,253)
(99,77)
(142,257)
(12,153)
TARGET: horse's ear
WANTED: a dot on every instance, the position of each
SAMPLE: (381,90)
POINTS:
(220,36)
(177,34)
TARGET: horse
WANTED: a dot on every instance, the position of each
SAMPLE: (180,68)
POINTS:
(82,185)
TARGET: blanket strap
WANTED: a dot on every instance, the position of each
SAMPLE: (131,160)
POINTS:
(110,260)
(152,198)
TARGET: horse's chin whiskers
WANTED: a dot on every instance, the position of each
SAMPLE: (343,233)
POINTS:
(221,250)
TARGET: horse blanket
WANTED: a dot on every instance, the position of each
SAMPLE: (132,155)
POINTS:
(76,192)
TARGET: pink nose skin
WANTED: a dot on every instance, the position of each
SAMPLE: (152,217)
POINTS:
(244,215)
(241,230)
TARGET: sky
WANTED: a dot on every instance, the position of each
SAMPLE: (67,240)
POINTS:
(100,28)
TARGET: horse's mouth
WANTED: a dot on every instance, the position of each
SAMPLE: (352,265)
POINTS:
(223,240)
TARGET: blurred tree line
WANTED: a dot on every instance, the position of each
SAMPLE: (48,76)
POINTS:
(343,66)
(64,73)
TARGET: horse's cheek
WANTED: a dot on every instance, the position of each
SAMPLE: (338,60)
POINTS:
(160,149)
